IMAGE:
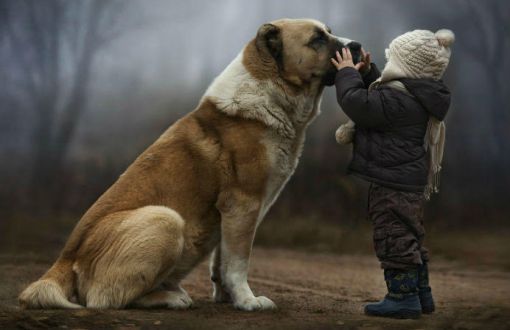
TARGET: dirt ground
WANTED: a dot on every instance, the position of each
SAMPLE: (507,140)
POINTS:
(312,291)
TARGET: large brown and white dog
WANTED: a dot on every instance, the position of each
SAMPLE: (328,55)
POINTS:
(204,186)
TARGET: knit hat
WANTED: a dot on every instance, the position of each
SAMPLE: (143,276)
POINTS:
(418,54)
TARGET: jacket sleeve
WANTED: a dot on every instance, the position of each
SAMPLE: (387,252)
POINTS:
(364,108)
(372,75)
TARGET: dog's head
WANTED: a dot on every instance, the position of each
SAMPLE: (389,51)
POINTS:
(302,49)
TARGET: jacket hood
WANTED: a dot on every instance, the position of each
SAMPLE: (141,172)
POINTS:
(433,95)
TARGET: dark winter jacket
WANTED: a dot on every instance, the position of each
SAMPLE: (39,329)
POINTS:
(390,127)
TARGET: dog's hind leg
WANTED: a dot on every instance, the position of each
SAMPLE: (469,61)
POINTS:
(135,256)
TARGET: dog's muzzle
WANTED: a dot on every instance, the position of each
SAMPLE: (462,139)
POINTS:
(354,47)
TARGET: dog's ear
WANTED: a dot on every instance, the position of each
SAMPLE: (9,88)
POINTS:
(269,40)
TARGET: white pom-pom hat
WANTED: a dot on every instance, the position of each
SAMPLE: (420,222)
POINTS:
(418,54)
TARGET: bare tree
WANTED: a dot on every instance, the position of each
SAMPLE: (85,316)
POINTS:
(488,46)
(51,46)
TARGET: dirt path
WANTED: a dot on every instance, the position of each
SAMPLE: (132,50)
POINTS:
(312,291)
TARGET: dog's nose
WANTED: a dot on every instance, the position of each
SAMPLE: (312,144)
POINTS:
(355,48)
(354,45)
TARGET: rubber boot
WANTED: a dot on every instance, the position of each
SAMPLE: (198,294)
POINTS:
(424,290)
(402,300)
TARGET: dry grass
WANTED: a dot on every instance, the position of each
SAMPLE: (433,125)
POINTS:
(469,246)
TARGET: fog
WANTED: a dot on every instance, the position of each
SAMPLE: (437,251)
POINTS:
(88,85)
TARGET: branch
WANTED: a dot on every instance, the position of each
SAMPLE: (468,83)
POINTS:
(19,50)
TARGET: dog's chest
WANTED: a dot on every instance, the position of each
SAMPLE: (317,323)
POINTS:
(283,156)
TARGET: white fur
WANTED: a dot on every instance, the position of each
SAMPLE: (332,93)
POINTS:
(283,152)
(45,294)
(237,93)
(344,41)
(235,278)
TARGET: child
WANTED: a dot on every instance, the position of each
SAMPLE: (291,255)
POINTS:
(397,133)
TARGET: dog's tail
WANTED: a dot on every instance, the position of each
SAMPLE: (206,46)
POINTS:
(53,290)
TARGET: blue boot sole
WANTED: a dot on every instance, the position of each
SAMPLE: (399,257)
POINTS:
(401,314)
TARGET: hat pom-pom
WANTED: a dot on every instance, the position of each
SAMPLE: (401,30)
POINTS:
(445,37)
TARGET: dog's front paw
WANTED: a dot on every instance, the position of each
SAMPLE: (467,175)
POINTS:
(255,304)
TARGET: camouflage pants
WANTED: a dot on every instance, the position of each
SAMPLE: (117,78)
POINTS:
(397,217)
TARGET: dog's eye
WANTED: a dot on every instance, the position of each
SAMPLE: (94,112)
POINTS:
(318,41)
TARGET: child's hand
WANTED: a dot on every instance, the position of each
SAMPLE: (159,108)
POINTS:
(365,62)
(345,60)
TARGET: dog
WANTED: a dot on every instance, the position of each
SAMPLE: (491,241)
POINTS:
(203,187)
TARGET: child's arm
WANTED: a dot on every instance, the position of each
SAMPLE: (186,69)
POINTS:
(368,70)
(372,74)
(363,107)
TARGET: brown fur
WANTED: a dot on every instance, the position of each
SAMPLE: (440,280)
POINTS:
(195,168)
(207,180)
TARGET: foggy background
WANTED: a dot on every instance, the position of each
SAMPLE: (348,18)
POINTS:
(86,86)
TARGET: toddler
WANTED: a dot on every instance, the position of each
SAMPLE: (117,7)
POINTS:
(397,131)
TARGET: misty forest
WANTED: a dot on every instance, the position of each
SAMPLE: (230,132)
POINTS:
(87,85)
